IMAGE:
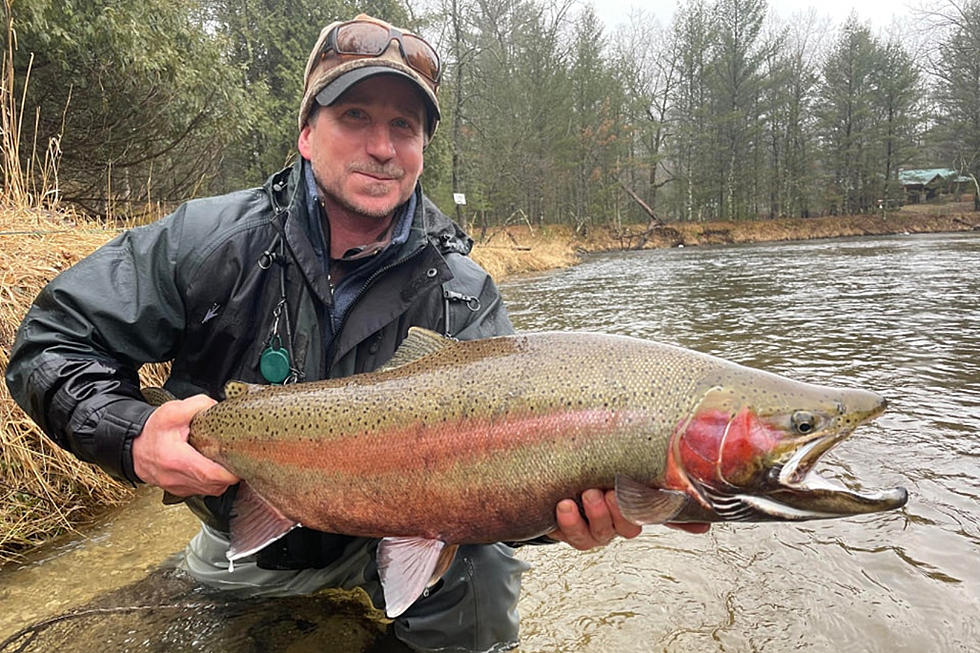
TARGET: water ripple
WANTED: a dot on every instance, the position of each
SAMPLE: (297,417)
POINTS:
(896,314)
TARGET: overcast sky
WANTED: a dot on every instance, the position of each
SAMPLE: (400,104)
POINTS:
(879,13)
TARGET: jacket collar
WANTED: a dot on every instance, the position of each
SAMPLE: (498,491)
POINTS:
(287,192)
(289,196)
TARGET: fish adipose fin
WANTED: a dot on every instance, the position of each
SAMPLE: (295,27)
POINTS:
(419,343)
(255,523)
(642,504)
(407,565)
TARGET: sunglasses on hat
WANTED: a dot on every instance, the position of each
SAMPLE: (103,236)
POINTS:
(363,38)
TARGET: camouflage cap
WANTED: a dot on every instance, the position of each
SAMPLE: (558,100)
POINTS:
(328,75)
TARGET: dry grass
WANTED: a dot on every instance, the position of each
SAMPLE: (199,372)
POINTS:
(44,490)
(922,218)
(519,249)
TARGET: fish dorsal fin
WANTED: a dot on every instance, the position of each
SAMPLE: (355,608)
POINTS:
(254,524)
(407,565)
(642,504)
(236,389)
(417,344)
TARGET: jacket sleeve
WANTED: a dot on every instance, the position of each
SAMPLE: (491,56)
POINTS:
(73,366)
(473,306)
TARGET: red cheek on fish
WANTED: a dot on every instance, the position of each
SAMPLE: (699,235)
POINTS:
(718,449)
(694,452)
(746,447)
(701,442)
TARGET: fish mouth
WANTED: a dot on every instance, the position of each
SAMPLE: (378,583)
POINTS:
(802,493)
(797,492)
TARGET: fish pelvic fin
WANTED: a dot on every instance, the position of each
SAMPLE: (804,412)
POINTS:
(255,523)
(419,343)
(642,504)
(407,566)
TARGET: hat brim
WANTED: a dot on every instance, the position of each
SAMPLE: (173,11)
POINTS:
(337,87)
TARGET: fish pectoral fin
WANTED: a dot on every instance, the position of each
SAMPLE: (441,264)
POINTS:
(407,565)
(642,504)
(254,523)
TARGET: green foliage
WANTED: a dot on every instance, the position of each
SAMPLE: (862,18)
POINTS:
(868,118)
(957,90)
(724,114)
(691,114)
(138,94)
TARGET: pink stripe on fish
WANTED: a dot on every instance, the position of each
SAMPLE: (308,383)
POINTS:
(420,446)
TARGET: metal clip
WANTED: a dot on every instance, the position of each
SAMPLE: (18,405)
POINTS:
(267,259)
(472,303)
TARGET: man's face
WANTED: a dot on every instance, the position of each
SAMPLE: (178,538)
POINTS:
(366,148)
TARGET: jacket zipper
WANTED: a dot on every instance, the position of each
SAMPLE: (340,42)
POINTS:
(332,350)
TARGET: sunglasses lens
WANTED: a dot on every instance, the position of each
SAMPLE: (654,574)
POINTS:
(362,38)
(420,56)
(366,39)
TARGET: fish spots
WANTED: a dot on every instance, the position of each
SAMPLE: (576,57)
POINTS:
(435,446)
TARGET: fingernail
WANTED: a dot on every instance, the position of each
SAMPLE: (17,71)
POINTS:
(564,507)
(592,496)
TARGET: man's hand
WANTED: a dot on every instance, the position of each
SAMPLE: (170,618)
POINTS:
(162,456)
(603,521)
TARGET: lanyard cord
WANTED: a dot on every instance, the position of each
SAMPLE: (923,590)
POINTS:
(294,374)
(273,351)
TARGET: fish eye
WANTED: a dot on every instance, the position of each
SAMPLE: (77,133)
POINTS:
(804,422)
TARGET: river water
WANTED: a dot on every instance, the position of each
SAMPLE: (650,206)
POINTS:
(898,315)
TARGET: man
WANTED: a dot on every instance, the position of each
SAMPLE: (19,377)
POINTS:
(317,274)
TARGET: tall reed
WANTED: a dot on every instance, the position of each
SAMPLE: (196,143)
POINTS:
(44,491)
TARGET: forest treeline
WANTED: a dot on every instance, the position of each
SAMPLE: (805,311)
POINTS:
(725,113)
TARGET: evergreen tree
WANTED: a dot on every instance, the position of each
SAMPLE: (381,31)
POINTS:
(846,119)
(138,96)
(737,86)
(270,41)
(957,90)
(694,154)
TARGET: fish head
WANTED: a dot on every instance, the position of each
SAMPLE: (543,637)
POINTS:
(748,453)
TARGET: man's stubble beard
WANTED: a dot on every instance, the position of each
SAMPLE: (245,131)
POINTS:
(353,207)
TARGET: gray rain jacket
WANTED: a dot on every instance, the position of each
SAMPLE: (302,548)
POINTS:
(199,287)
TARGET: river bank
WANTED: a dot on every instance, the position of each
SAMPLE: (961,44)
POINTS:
(521,249)
(45,493)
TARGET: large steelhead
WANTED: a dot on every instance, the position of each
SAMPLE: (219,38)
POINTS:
(473,442)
